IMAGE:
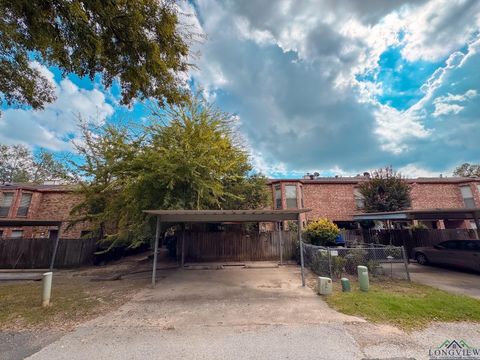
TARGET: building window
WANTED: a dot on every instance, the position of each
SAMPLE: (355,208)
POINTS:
(16,234)
(278,197)
(5,203)
(291,196)
(24,204)
(359,199)
(467,196)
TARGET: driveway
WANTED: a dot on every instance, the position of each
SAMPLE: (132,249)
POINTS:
(239,313)
(458,282)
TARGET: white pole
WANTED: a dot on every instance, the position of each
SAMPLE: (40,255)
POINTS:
(46,288)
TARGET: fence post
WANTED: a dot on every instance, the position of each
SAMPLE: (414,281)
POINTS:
(55,249)
(329,263)
(405,262)
(280,240)
(302,270)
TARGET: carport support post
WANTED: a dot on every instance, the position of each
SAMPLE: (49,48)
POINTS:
(55,248)
(299,227)
(155,252)
(183,246)
(280,243)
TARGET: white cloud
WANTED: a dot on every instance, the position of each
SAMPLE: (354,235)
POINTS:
(51,127)
(397,128)
(440,27)
(289,69)
(450,104)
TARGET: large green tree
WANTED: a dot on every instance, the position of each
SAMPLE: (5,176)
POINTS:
(467,170)
(385,191)
(19,165)
(188,157)
(139,43)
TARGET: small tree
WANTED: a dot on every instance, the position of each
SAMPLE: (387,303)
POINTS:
(386,191)
(18,165)
(321,232)
(467,170)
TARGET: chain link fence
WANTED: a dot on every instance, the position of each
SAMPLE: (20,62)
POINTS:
(383,262)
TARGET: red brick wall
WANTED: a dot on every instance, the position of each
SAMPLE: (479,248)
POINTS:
(47,206)
(57,206)
(333,201)
(431,196)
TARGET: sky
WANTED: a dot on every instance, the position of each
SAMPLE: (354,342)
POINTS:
(334,86)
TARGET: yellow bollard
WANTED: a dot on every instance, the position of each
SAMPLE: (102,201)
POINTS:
(46,288)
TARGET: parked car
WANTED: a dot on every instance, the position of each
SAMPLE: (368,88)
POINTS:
(458,253)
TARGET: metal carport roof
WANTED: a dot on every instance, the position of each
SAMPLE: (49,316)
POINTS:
(226,215)
(423,214)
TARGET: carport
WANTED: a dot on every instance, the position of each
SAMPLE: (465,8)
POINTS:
(426,214)
(218,216)
(33,223)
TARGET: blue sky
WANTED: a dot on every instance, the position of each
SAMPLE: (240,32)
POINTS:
(334,86)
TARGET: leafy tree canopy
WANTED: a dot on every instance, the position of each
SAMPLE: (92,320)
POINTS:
(140,43)
(18,165)
(385,191)
(467,170)
(188,157)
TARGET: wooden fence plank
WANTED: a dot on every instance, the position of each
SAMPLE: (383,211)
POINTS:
(236,246)
(36,253)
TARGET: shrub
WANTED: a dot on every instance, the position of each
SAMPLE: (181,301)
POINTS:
(338,266)
(321,232)
(418,226)
(353,259)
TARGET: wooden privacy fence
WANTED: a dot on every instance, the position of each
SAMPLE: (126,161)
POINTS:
(37,253)
(236,246)
(409,238)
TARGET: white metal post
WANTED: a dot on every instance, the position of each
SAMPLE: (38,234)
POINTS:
(301,249)
(46,288)
(155,252)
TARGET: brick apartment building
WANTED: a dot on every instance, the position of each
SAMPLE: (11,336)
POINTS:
(39,202)
(338,198)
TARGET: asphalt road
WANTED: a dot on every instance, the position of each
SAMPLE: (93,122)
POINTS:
(451,280)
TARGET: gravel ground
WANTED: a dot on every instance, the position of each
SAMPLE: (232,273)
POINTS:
(240,313)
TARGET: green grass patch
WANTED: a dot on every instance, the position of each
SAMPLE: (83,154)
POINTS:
(405,304)
(20,304)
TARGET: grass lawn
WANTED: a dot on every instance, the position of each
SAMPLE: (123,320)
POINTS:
(73,300)
(404,304)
